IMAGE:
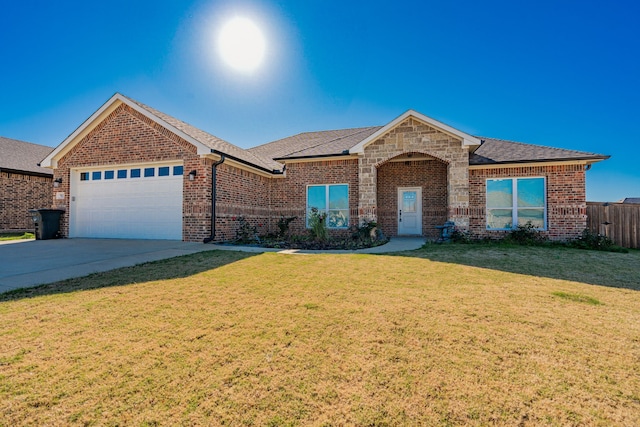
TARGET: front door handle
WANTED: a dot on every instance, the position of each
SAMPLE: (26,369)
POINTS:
(400,216)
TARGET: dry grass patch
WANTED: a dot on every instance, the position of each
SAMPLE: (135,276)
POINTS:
(320,340)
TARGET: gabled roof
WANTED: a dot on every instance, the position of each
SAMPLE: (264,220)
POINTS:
(466,139)
(498,151)
(314,144)
(203,141)
(485,151)
(23,157)
(347,141)
(211,141)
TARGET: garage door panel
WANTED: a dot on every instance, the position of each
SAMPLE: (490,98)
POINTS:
(140,208)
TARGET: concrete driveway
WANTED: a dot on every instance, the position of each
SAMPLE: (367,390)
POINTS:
(33,262)
(25,263)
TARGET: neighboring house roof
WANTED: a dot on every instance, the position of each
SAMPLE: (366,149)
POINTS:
(631,200)
(315,144)
(203,141)
(23,157)
(497,151)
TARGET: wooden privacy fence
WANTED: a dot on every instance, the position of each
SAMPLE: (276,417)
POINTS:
(618,221)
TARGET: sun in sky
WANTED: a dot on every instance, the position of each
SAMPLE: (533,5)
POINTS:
(241,44)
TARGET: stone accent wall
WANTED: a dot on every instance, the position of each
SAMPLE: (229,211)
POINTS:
(566,198)
(289,195)
(431,175)
(18,194)
(413,136)
(125,137)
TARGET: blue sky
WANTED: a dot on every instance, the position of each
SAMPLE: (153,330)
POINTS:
(557,73)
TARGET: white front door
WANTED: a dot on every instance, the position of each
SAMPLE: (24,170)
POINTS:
(410,211)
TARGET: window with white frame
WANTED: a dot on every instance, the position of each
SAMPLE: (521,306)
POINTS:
(516,201)
(332,200)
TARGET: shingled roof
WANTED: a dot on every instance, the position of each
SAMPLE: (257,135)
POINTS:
(212,141)
(498,151)
(631,200)
(339,142)
(23,157)
(314,144)
(271,156)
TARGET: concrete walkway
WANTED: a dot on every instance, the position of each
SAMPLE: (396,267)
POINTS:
(396,244)
(25,263)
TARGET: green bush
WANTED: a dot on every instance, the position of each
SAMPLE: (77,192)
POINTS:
(526,235)
(461,236)
(283,225)
(595,241)
(366,232)
(318,225)
(246,233)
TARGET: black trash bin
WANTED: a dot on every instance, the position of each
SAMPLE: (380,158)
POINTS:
(47,223)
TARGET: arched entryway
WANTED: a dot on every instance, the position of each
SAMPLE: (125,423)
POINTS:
(412,195)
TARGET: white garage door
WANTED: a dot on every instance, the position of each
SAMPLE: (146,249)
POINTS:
(129,202)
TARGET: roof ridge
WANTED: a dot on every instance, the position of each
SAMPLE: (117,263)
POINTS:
(359,130)
(310,132)
(535,145)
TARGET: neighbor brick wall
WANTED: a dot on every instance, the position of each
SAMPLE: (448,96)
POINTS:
(431,175)
(289,194)
(18,194)
(125,137)
(566,198)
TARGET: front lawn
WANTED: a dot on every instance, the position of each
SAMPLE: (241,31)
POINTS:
(446,335)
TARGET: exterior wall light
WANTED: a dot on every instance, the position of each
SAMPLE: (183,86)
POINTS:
(192,175)
(57,182)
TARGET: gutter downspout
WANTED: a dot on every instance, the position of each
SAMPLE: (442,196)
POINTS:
(214,173)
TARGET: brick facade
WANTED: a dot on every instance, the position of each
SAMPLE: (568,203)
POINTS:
(412,154)
(566,198)
(431,175)
(126,137)
(18,194)
(241,193)
(289,194)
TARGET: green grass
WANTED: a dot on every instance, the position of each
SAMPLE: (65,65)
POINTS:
(446,335)
(577,298)
(16,236)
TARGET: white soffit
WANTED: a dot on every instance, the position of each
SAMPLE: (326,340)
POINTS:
(467,139)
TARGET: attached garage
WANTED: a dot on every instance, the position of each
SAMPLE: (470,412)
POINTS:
(132,172)
(142,201)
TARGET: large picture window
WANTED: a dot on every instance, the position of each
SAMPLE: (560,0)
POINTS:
(516,201)
(333,200)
